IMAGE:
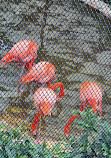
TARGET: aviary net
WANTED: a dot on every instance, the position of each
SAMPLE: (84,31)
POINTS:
(55,79)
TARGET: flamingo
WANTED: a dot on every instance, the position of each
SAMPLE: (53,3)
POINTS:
(43,72)
(24,52)
(44,100)
(90,94)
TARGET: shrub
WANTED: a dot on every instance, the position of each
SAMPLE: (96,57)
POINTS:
(95,140)
(13,145)
(93,143)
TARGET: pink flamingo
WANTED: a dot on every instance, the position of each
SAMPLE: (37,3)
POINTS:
(44,100)
(43,72)
(24,52)
(90,94)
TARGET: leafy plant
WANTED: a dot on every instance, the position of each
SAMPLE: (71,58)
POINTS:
(95,140)
(13,145)
(104,145)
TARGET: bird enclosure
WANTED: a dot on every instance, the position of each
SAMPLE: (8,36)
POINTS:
(55,75)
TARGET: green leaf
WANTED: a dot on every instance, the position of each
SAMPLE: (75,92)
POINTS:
(105,153)
(78,156)
(81,149)
(104,146)
(1,142)
(3,154)
(49,155)
(56,146)
(27,142)
(34,154)
(64,155)
(44,145)
(19,152)
(19,128)
(3,126)
(7,133)
(46,151)
(23,156)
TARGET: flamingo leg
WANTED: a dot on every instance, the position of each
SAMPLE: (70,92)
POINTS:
(39,126)
(97,107)
(34,123)
(93,104)
(66,128)
(36,120)
(71,119)
(83,105)
(26,78)
(55,86)
(100,107)
(81,108)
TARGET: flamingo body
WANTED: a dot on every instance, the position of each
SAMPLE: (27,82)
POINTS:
(42,72)
(91,94)
(44,99)
(24,52)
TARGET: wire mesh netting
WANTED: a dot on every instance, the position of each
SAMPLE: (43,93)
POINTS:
(55,78)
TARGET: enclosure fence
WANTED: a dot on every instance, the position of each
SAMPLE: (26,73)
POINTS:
(55,79)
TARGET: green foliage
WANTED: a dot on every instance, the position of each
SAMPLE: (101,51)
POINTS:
(94,141)
(13,145)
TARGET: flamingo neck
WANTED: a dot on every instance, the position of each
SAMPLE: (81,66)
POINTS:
(55,86)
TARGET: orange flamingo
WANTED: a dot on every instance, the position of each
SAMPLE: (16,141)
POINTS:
(44,100)
(43,72)
(24,52)
(90,94)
